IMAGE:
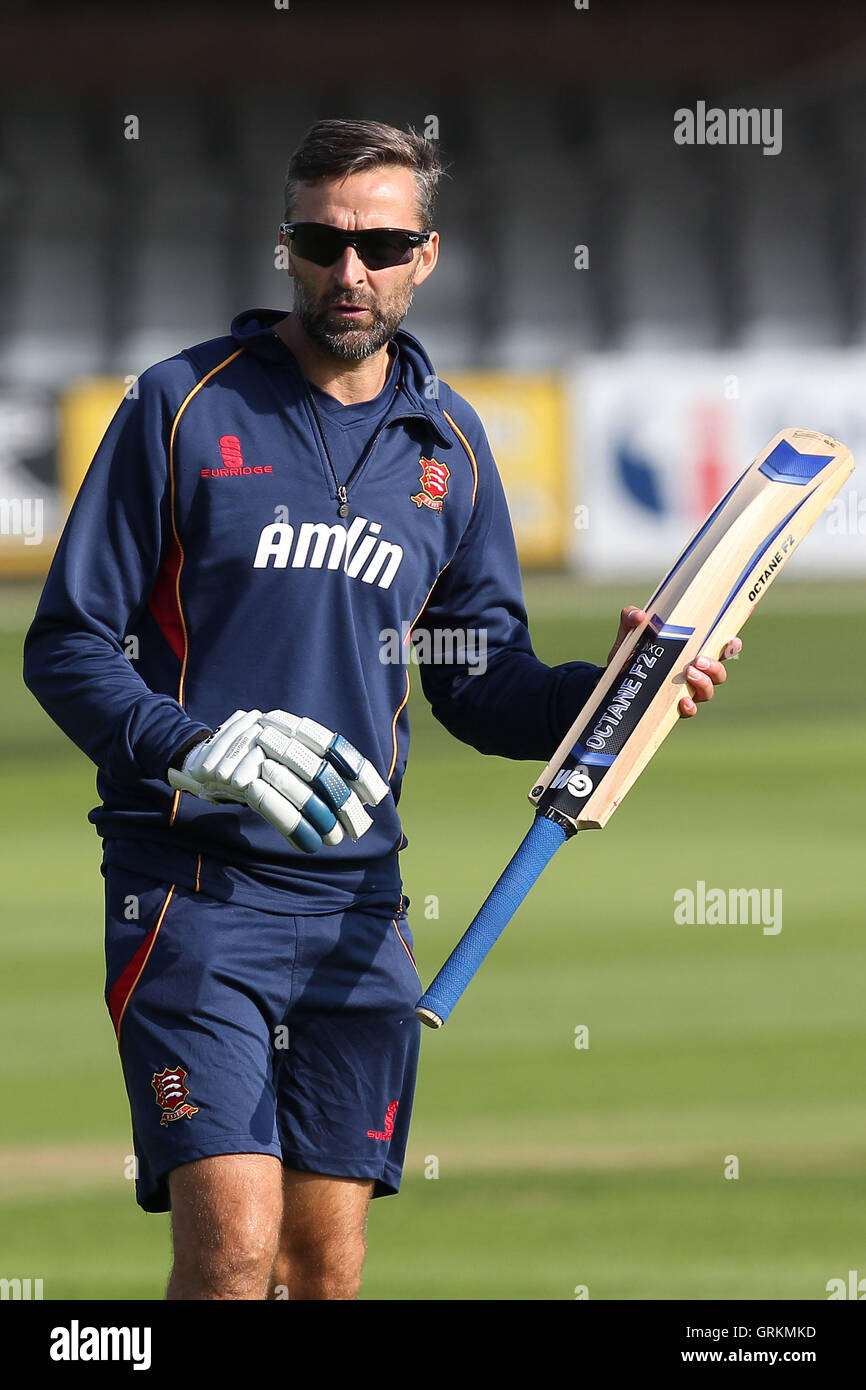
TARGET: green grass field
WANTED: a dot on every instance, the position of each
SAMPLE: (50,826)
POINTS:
(557,1166)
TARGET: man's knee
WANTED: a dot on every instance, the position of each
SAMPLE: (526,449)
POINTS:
(229,1270)
(322,1246)
(225,1225)
(324,1266)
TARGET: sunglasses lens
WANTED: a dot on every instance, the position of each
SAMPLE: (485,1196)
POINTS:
(320,244)
(323,245)
(379,250)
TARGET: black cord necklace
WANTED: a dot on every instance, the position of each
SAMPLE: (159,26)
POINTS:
(342,495)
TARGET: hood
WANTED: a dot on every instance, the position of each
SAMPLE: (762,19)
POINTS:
(254,330)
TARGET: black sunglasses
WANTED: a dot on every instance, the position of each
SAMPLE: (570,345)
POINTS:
(378,247)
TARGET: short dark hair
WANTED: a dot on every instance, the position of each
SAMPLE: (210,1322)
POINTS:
(333,149)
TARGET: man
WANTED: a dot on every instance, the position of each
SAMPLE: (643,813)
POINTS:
(269,507)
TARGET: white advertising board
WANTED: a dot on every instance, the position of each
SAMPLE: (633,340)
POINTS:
(658,439)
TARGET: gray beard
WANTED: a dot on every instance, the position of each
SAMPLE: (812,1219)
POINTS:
(347,343)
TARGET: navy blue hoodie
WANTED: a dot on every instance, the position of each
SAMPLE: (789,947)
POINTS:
(205,568)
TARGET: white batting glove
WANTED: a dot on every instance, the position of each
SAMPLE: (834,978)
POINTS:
(306,780)
(208,769)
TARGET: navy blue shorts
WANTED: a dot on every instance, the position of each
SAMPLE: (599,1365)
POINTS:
(246,1031)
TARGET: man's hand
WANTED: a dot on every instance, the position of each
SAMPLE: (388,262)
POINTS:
(702,677)
(310,783)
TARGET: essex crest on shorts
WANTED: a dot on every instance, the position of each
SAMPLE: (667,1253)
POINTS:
(171,1093)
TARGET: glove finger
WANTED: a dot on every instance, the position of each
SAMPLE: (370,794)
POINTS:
(336,793)
(357,770)
(334,836)
(183,782)
(228,723)
(315,736)
(301,795)
(326,782)
(289,751)
(301,760)
(228,743)
(283,816)
(309,731)
(221,729)
(283,721)
(371,788)
(353,817)
(247,769)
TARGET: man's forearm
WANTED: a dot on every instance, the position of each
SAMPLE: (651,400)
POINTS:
(517,708)
(91,690)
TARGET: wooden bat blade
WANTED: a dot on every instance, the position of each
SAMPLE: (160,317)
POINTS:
(700,605)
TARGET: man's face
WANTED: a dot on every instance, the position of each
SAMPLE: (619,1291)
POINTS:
(348,311)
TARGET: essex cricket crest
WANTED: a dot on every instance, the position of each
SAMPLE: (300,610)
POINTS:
(434,484)
(171,1093)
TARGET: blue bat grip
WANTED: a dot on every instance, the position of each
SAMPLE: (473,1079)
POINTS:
(533,855)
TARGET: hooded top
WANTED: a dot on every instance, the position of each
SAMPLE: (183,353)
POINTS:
(205,567)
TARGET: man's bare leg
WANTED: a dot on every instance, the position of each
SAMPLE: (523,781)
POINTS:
(225,1216)
(322,1243)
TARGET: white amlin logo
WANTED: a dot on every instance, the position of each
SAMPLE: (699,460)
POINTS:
(318,546)
(77,1343)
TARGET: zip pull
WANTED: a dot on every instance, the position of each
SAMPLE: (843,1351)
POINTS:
(344,501)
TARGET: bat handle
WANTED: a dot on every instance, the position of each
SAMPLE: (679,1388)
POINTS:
(532,856)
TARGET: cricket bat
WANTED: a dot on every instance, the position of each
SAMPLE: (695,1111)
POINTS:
(697,609)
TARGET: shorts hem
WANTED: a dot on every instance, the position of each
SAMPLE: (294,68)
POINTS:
(386,1176)
(157,1199)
